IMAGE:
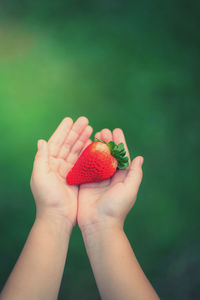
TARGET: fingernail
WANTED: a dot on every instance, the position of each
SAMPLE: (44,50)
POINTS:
(40,144)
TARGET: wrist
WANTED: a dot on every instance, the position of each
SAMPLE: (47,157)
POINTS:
(95,234)
(98,225)
(55,221)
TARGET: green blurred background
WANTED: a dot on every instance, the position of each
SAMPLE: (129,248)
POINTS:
(128,64)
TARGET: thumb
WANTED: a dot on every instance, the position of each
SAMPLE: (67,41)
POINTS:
(134,176)
(41,162)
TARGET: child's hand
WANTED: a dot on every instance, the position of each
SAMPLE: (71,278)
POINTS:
(53,160)
(102,208)
(108,202)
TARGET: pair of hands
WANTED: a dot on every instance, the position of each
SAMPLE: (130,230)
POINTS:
(107,202)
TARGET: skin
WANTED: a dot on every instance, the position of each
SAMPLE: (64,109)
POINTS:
(48,181)
(39,269)
(100,210)
(112,199)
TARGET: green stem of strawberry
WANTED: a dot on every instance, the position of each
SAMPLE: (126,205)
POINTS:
(119,152)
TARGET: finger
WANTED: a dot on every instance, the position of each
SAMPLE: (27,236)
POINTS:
(78,146)
(98,135)
(134,176)
(41,162)
(66,166)
(120,175)
(106,135)
(87,144)
(77,129)
(56,140)
(118,137)
(100,185)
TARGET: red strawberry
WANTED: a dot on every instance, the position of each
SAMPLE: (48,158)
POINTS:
(98,162)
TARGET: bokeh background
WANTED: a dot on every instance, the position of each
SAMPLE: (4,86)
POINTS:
(128,64)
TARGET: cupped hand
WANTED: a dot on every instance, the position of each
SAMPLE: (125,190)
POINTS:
(54,159)
(110,201)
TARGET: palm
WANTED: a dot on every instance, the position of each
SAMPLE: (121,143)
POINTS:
(99,199)
(58,191)
(109,198)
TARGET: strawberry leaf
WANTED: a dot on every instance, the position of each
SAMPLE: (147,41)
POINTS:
(111,145)
(119,152)
(124,166)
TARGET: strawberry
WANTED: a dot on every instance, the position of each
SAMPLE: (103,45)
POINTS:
(98,162)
